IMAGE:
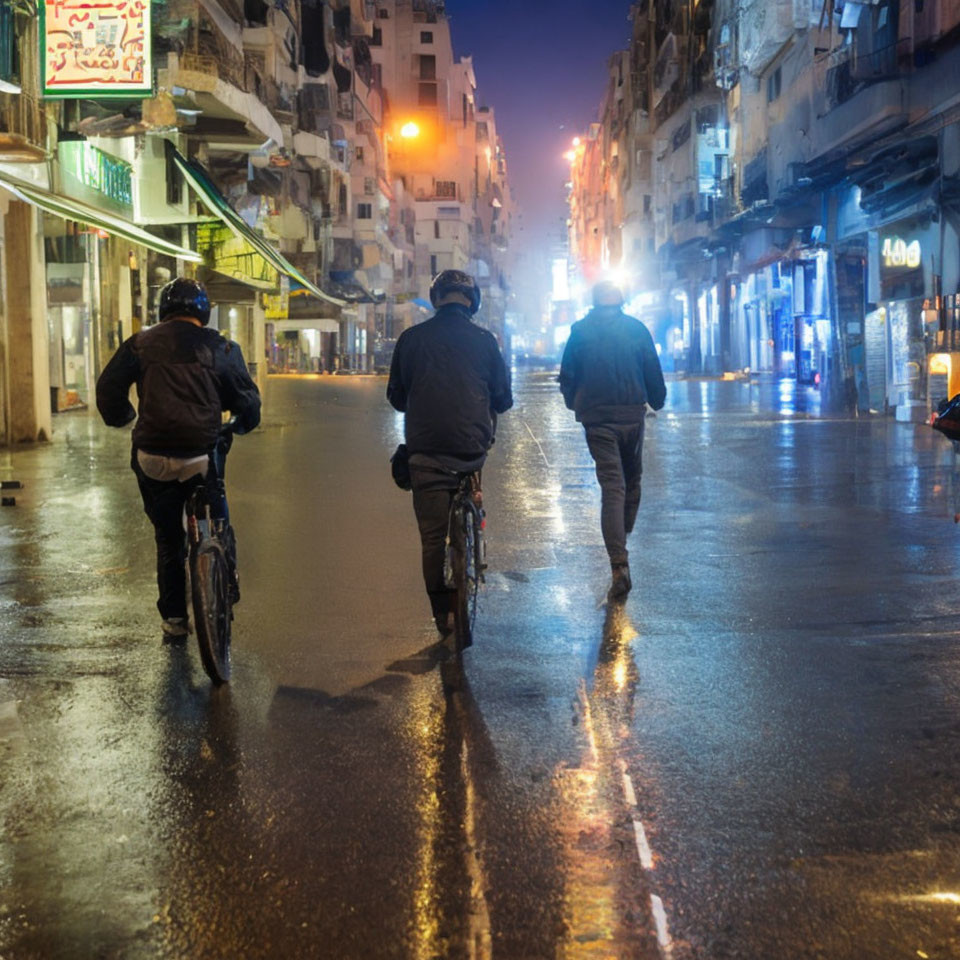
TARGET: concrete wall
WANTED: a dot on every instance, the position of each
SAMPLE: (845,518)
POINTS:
(27,338)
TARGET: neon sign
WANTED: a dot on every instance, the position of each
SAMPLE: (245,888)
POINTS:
(95,48)
(98,171)
(897,253)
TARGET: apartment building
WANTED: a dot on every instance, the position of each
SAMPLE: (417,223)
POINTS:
(251,144)
(806,160)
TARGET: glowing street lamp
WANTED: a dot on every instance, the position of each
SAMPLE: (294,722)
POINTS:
(410,130)
(570,156)
(576,141)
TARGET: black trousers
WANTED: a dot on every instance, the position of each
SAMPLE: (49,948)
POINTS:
(163,503)
(433,492)
(617,451)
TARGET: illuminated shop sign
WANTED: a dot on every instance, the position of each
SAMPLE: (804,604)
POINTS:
(97,171)
(898,254)
(95,48)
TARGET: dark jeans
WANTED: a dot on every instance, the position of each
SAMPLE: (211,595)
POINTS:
(163,503)
(433,492)
(617,450)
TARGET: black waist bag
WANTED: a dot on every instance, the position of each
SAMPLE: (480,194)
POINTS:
(947,420)
(400,467)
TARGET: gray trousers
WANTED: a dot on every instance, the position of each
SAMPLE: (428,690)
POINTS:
(617,450)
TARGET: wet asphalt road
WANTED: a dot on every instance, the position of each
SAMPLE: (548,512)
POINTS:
(757,758)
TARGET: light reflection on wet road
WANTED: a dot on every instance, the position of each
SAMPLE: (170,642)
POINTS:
(757,757)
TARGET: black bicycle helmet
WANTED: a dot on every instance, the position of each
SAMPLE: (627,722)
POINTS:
(184,298)
(455,281)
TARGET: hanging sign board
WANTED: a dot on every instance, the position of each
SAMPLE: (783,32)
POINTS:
(95,49)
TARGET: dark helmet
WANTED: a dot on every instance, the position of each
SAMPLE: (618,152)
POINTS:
(184,298)
(455,281)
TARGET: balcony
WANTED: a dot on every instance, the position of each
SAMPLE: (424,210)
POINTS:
(23,129)
(219,93)
(890,61)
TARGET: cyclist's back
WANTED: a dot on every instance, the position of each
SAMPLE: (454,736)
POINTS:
(186,376)
(449,378)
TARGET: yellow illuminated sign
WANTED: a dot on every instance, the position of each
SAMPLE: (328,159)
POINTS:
(897,253)
(95,48)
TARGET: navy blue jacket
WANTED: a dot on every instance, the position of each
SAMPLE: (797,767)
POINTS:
(186,377)
(449,378)
(610,369)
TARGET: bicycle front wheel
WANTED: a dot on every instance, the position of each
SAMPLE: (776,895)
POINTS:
(210,580)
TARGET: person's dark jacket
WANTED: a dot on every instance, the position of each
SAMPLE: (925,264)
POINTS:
(186,377)
(610,369)
(449,378)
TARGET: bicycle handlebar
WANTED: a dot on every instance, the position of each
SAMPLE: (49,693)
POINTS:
(227,429)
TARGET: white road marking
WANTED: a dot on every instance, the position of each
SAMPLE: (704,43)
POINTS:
(643,848)
(539,445)
(629,794)
(660,920)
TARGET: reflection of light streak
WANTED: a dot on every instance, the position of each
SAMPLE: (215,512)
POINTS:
(425,727)
(480,944)
(946,897)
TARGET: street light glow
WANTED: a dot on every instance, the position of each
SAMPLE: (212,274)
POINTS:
(576,141)
(570,156)
(410,130)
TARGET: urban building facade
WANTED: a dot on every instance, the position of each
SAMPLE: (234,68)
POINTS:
(805,167)
(254,145)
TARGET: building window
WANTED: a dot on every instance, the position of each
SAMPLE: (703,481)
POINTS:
(342,199)
(428,66)
(383,14)
(9,50)
(436,229)
(174,182)
(447,189)
(646,204)
(359,154)
(433,265)
(369,186)
(428,95)
(426,36)
(364,211)
(681,135)
(773,85)
(377,39)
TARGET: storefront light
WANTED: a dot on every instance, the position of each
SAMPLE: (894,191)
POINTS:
(940,364)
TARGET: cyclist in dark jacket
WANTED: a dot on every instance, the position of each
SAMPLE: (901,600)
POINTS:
(609,373)
(187,375)
(449,378)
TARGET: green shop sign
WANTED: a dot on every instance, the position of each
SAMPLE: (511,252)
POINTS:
(92,175)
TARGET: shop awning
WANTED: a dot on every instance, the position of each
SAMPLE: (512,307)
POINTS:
(70,209)
(217,203)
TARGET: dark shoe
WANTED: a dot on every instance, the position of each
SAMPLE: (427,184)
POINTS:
(444,622)
(620,584)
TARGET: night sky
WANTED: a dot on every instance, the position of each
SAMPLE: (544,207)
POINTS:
(542,65)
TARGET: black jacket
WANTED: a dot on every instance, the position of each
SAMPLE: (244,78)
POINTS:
(186,376)
(449,378)
(610,369)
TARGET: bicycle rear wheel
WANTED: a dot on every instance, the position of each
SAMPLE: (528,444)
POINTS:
(467,572)
(210,580)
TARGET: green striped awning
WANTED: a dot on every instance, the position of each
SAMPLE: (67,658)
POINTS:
(80,212)
(217,204)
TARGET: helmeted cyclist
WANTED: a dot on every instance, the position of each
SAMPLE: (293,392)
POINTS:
(449,378)
(187,375)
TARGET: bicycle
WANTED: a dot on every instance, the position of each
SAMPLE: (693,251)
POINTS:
(465,557)
(212,562)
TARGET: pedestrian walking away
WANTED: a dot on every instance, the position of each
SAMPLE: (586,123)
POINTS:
(449,379)
(610,371)
(187,375)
